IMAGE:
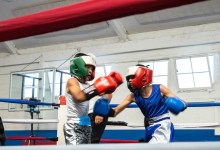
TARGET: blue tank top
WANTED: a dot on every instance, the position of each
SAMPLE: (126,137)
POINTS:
(152,106)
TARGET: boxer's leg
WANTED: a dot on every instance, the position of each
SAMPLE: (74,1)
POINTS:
(162,133)
(77,134)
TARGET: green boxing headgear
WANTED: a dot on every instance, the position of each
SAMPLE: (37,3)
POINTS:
(78,65)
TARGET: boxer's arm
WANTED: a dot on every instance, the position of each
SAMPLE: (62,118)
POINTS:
(73,88)
(128,100)
(102,107)
(166,92)
(98,119)
(174,104)
(108,96)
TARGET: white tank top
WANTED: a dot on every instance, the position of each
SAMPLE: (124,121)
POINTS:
(76,109)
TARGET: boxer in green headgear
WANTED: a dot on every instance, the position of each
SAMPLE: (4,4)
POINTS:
(77,129)
(78,66)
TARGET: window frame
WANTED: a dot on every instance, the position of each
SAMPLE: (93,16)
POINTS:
(65,71)
(153,62)
(105,69)
(192,73)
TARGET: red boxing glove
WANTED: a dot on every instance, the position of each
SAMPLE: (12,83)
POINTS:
(117,77)
(108,84)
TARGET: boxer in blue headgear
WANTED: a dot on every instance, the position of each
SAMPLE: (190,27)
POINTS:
(154,100)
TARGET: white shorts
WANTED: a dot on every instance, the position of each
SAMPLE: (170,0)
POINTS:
(161,131)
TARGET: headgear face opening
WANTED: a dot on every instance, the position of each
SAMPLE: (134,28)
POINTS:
(78,65)
(138,76)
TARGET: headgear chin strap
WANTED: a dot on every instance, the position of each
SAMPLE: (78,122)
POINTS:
(78,65)
(138,76)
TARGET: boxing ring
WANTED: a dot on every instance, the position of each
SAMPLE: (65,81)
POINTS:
(141,146)
(30,140)
(75,16)
(117,123)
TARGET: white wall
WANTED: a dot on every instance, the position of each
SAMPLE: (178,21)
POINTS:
(166,44)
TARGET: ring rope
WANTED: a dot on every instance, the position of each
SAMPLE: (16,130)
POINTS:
(31,138)
(118,141)
(181,125)
(28,102)
(189,104)
(202,104)
(78,14)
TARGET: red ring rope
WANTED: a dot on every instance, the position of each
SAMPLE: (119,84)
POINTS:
(31,138)
(78,14)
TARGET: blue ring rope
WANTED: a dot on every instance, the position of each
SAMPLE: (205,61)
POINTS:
(19,101)
(189,104)
(129,106)
(203,104)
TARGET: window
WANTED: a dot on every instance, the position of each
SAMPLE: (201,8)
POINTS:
(160,71)
(104,70)
(31,85)
(60,82)
(195,72)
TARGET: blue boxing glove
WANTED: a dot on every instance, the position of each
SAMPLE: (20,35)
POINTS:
(102,108)
(175,105)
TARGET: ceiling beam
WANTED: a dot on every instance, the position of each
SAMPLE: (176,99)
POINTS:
(10,46)
(119,29)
